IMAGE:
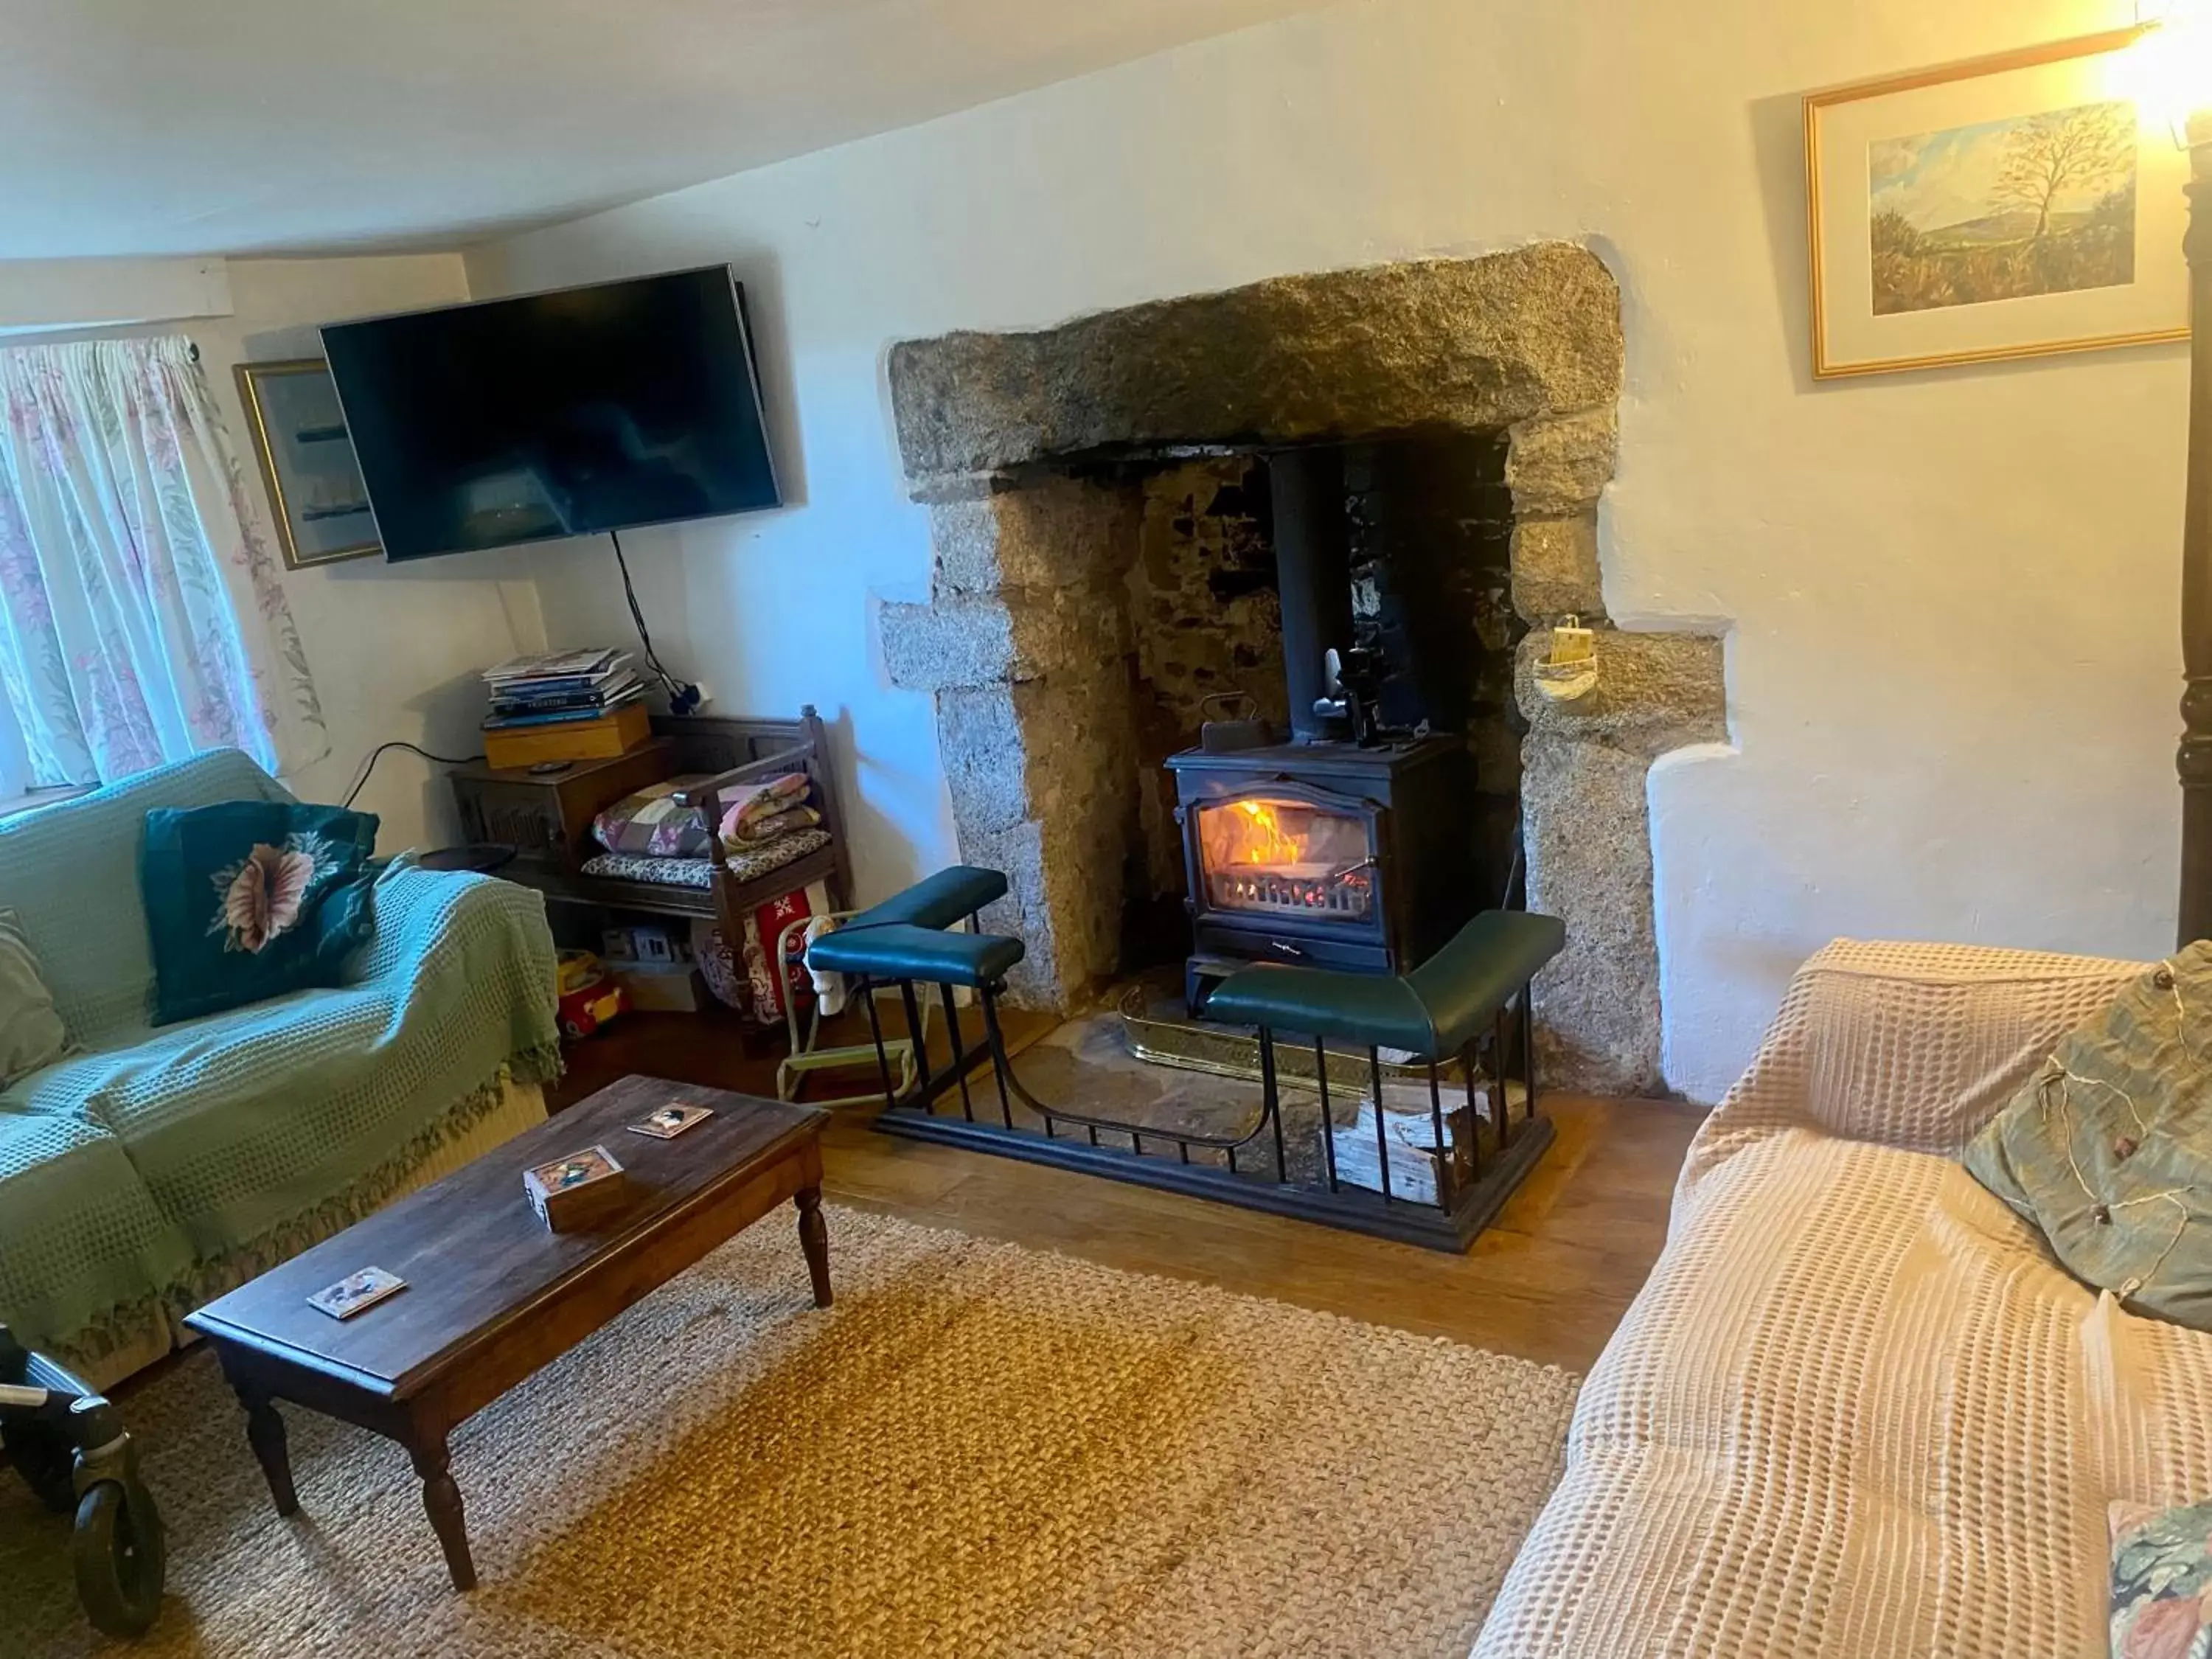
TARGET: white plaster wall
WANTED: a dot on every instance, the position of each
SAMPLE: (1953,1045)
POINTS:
(1952,657)
(396,650)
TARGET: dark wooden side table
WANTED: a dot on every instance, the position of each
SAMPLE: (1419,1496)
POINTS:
(491,1294)
(546,817)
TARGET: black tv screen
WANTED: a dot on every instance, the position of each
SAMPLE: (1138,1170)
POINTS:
(555,415)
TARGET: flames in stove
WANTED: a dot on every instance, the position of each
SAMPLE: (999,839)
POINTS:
(1286,856)
(1261,835)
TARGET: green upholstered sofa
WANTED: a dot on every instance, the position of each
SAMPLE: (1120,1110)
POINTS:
(155,1168)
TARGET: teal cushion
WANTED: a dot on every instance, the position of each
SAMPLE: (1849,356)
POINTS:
(67,870)
(31,1033)
(249,899)
(937,901)
(2107,1149)
(1435,1010)
(899,952)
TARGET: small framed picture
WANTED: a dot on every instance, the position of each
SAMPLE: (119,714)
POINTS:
(2005,207)
(316,494)
(356,1292)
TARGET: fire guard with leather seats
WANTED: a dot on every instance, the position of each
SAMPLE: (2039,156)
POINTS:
(1470,996)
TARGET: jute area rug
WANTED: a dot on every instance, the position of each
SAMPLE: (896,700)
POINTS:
(981,1450)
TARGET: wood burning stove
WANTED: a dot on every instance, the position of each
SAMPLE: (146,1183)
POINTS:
(1344,847)
(1323,854)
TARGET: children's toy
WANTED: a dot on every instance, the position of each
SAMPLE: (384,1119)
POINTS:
(589,997)
(70,1446)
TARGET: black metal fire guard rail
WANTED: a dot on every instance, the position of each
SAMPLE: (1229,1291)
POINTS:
(1460,1209)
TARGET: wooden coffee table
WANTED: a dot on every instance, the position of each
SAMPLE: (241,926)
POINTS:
(492,1295)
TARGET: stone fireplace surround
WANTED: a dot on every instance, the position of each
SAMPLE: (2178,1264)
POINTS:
(1010,440)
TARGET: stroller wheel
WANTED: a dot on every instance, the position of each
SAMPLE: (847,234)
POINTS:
(120,1558)
(47,1463)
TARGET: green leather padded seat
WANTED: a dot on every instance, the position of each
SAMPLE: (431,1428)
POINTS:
(1435,1010)
(937,901)
(899,950)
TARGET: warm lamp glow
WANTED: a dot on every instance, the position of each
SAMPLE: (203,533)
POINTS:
(2170,68)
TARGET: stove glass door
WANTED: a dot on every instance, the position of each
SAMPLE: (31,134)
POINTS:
(1279,856)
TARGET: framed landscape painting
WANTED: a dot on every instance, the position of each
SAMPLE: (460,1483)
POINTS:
(2006,207)
(316,494)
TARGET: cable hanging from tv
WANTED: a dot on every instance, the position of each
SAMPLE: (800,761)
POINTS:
(683,696)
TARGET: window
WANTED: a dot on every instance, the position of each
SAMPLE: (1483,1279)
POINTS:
(140,620)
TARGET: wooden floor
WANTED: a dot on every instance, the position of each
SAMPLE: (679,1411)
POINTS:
(1549,1281)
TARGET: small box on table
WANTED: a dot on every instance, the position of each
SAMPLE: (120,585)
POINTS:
(578,1191)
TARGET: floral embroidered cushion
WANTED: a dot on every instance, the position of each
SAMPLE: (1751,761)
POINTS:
(2161,1582)
(2107,1149)
(248,900)
(31,1033)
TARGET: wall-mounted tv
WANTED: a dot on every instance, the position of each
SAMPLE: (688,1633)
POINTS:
(555,415)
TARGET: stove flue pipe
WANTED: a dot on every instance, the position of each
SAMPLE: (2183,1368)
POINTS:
(1313,565)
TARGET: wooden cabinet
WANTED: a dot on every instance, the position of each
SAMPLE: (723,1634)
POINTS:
(547,815)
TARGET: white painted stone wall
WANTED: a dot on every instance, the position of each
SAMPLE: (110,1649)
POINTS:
(1953,659)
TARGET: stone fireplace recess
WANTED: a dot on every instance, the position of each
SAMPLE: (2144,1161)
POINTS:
(1100,568)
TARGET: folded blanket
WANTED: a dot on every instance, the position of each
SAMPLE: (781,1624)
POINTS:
(749,819)
(763,830)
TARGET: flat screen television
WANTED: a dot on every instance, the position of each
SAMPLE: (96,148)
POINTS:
(555,415)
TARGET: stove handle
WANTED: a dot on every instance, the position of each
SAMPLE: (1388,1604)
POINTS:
(1286,947)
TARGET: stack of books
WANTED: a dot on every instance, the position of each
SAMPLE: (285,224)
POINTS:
(556,687)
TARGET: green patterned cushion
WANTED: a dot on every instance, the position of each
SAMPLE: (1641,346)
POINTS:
(31,1033)
(2108,1147)
(2161,1582)
(249,899)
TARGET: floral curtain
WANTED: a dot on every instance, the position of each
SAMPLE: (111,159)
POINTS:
(144,620)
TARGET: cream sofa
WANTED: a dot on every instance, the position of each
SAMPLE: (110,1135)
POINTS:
(1858,1410)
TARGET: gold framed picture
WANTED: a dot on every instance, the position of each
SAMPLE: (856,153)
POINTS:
(2004,207)
(316,494)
